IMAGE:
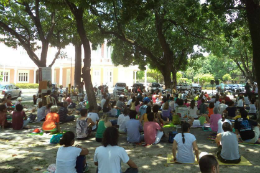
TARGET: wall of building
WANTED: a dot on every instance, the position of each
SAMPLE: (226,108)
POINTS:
(12,76)
(31,76)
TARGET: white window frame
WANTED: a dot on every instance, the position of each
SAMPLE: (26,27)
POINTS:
(96,80)
(8,75)
(23,71)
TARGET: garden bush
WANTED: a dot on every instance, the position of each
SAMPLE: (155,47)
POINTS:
(27,85)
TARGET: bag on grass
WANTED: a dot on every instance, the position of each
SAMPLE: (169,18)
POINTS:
(55,139)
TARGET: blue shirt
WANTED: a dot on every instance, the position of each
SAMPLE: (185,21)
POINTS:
(142,110)
(133,128)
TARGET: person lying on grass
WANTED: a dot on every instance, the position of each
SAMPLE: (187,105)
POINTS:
(70,159)
(186,143)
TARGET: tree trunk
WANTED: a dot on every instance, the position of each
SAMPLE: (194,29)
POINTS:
(44,53)
(78,13)
(174,79)
(77,74)
(166,72)
(253,16)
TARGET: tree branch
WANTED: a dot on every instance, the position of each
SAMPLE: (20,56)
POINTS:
(56,57)
(52,26)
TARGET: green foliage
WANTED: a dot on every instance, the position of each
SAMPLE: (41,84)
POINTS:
(226,77)
(203,78)
(139,74)
(27,85)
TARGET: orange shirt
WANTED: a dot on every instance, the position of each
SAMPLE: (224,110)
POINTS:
(50,120)
(210,110)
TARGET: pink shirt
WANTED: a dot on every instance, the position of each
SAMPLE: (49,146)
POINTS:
(154,98)
(150,131)
(199,103)
(214,122)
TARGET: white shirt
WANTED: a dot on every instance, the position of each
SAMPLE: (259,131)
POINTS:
(38,100)
(121,121)
(94,117)
(113,112)
(129,102)
(246,100)
(109,158)
(66,159)
(222,107)
(103,101)
(252,108)
(193,112)
(171,104)
(185,151)
(240,103)
(220,123)
(256,89)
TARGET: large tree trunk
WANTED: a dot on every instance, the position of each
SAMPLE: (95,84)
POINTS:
(253,15)
(174,79)
(78,13)
(77,74)
(166,72)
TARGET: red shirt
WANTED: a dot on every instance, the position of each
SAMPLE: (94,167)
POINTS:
(17,120)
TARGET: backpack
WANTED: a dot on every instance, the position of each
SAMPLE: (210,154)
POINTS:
(55,139)
(171,136)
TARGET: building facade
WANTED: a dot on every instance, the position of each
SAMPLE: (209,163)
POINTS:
(17,67)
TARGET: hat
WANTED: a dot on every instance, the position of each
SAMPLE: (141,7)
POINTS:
(19,99)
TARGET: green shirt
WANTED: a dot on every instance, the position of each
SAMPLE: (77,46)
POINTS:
(100,130)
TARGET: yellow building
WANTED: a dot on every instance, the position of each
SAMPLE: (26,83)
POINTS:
(17,67)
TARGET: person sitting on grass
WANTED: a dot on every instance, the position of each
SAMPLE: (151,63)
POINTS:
(228,151)
(231,110)
(240,102)
(221,122)
(48,108)
(63,112)
(142,109)
(252,109)
(52,119)
(210,109)
(107,106)
(167,111)
(94,117)
(209,164)
(193,110)
(152,131)
(108,157)
(19,119)
(157,115)
(102,125)
(9,101)
(133,128)
(39,99)
(70,159)
(19,101)
(144,117)
(248,129)
(84,125)
(222,107)
(186,143)
(203,107)
(3,118)
(122,120)
(81,104)
(41,112)
(214,118)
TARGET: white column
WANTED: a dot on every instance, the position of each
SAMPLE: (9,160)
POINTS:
(135,76)
(52,74)
(15,75)
(60,80)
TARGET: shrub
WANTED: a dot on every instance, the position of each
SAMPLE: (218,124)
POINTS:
(27,85)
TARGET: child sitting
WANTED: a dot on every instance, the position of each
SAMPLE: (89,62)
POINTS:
(70,159)
(83,125)
(228,151)
(152,131)
(19,119)
(102,125)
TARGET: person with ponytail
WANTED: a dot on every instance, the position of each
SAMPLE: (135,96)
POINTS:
(186,143)
(70,159)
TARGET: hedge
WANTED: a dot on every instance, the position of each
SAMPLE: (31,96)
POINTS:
(27,85)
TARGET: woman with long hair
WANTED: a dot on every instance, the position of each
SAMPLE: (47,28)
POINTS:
(166,112)
(70,159)
(108,157)
(102,125)
(186,143)
(193,110)
(106,106)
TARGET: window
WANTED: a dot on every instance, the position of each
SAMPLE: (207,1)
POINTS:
(5,76)
(23,76)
